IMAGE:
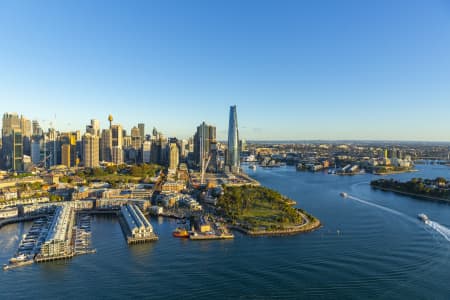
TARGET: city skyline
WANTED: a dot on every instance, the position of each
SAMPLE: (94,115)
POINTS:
(297,71)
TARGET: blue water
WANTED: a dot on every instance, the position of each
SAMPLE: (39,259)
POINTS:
(371,245)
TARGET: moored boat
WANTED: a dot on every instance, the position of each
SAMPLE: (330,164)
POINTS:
(180,233)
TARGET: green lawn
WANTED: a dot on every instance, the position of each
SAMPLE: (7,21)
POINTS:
(258,208)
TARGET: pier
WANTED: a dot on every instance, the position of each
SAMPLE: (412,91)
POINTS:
(136,228)
(210,237)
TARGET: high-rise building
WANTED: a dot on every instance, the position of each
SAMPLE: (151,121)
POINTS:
(69,138)
(126,142)
(203,138)
(117,155)
(25,126)
(10,123)
(136,138)
(146,152)
(37,130)
(117,135)
(233,159)
(94,128)
(65,155)
(106,145)
(141,127)
(183,149)
(17,154)
(174,157)
(90,150)
(38,150)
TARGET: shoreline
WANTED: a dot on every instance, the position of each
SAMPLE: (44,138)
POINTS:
(309,226)
(281,232)
(395,172)
(410,194)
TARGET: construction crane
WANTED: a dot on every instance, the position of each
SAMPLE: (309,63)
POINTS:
(205,164)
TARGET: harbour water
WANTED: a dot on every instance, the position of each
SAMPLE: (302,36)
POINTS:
(372,245)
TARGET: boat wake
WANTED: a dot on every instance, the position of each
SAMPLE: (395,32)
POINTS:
(392,211)
(441,229)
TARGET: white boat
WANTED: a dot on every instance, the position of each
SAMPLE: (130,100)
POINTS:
(423,217)
(253,167)
(344,195)
(18,259)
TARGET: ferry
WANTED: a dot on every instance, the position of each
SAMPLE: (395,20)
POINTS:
(180,233)
(423,217)
(344,195)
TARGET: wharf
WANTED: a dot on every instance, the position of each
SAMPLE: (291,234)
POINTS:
(42,259)
(131,240)
(210,237)
(20,219)
(129,237)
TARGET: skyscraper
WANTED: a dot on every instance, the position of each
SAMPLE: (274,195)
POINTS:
(233,159)
(146,151)
(117,155)
(203,138)
(36,128)
(174,156)
(106,145)
(65,155)
(141,127)
(136,138)
(117,135)
(10,123)
(90,150)
(17,154)
(94,128)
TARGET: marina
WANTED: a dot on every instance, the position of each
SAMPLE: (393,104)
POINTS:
(54,236)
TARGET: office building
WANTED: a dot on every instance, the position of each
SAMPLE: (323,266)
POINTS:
(90,150)
(36,154)
(141,127)
(25,126)
(117,135)
(174,156)
(106,145)
(136,138)
(203,138)
(17,153)
(117,155)
(65,155)
(146,152)
(36,128)
(233,159)
(94,128)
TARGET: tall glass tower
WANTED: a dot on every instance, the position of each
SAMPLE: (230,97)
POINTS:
(233,159)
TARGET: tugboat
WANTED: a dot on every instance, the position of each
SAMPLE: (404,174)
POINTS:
(344,195)
(180,233)
(423,217)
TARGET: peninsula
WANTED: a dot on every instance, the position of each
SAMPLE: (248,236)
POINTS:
(257,211)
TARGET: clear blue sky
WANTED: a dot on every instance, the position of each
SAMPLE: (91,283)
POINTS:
(295,69)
